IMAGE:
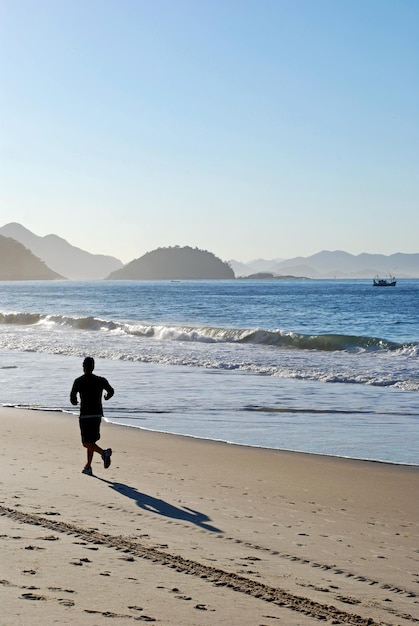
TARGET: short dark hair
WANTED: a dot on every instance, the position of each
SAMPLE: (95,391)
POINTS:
(89,363)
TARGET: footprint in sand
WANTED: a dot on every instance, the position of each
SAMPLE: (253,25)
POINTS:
(31,596)
(66,602)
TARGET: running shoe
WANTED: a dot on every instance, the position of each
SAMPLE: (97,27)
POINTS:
(106,457)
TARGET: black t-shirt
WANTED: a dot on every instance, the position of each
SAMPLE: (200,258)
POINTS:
(90,388)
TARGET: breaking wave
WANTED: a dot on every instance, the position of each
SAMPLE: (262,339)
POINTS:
(206,334)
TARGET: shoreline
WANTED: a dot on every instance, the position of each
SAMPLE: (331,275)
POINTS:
(193,531)
(220,441)
(258,447)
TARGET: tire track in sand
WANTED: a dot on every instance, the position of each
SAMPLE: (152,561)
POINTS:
(217,576)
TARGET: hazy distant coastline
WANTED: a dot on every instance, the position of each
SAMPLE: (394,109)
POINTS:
(55,258)
(334,264)
(61,257)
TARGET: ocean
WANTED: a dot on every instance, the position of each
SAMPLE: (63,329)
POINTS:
(319,366)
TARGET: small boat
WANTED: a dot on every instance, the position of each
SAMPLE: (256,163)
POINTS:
(384,282)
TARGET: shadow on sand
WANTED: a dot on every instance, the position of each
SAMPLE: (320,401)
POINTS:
(160,507)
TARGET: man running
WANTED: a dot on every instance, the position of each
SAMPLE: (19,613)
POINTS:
(90,388)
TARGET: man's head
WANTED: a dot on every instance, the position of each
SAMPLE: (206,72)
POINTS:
(89,364)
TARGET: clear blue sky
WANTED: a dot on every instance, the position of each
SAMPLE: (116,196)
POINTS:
(250,128)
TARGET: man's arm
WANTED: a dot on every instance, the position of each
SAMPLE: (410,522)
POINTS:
(109,390)
(73,395)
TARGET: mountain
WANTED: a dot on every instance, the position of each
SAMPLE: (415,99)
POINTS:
(337,264)
(341,264)
(253,267)
(18,263)
(61,256)
(175,263)
(263,265)
(240,269)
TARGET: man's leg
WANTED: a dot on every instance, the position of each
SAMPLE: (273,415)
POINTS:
(91,449)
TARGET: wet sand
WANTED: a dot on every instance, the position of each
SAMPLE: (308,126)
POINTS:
(185,531)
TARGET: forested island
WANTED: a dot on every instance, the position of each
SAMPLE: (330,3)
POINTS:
(175,263)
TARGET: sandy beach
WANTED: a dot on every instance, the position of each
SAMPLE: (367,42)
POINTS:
(181,531)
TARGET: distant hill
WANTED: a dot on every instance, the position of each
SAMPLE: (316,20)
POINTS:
(175,263)
(341,264)
(337,264)
(268,276)
(240,269)
(61,256)
(263,265)
(18,263)
(253,267)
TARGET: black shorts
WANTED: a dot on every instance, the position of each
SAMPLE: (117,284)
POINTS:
(90,429)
